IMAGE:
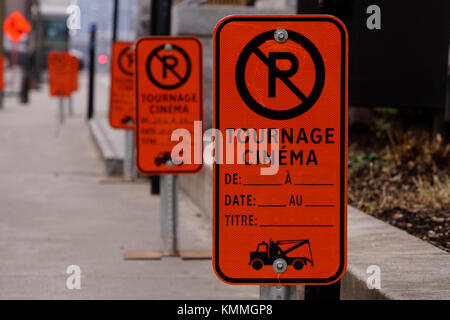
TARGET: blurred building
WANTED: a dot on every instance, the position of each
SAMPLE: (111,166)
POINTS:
(100,12)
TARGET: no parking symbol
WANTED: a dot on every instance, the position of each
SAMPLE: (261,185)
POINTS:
(276,73)
(168,66)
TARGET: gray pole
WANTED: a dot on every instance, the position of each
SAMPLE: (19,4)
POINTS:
(129,170)
(70,101)
(169,213)
(277,293)
(61,110)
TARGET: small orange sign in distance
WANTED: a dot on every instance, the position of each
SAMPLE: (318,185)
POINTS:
(286,75)
(122,106)
(16,26)
(60,73)
(169,96)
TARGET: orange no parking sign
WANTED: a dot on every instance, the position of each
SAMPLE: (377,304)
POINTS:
(61,73)
(281,80)
(122,107)
(169,96)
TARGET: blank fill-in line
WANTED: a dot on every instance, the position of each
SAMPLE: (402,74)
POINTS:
(262,184)
(314,184)
(297,225)
(272,205)
(320,205)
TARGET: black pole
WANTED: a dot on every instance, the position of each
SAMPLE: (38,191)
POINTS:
(332,291)
(26,65)
(308,6)
(329,292)
(26,78)
(160,18)
(92,43)
(115,20)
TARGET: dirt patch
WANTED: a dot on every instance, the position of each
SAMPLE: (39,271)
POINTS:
(402,177)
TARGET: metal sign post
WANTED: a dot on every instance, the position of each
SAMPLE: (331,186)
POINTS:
(277,292)
(129,171)
(169,213)
(70,101)
(61,110)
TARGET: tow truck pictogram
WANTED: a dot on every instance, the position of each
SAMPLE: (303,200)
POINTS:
(268,253)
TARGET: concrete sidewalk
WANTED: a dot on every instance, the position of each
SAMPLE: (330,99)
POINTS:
(55,212)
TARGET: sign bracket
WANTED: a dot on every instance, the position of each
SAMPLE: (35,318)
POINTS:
(269,292)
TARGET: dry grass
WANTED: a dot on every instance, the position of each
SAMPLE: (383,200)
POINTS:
(435,195)
(406,184)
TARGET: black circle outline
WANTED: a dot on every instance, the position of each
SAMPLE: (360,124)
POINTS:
(182,81)
(121,53)
(280,114)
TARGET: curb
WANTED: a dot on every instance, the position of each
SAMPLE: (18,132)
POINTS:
(108,143)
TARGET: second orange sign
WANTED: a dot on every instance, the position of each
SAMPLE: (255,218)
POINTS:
(169,96)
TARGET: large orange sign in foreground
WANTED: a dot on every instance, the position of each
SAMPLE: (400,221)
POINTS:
(169,96)
(122,108)
(288,75)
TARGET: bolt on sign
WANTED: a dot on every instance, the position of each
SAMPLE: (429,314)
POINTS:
(169,96)
(16,26)
(280,85)
(122,110)
(60,70)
